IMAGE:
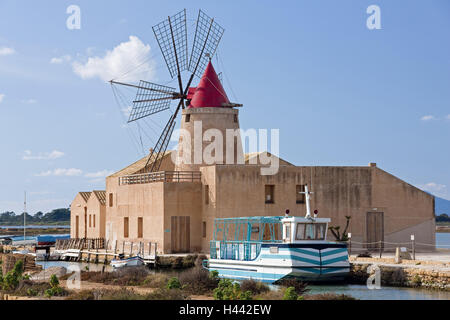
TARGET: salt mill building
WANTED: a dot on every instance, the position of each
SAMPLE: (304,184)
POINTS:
(172,197)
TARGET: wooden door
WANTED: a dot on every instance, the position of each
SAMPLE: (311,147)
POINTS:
(77,226)
(85,222)
(180,234)
(374,230)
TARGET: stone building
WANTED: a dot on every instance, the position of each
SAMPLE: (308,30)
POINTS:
(87,215)
(176,207)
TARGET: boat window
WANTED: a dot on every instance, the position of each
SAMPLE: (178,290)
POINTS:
(320,231)
(287,232)
(310,231)
(300,235)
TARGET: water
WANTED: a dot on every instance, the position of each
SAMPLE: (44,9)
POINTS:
(385,293)
(35,227)
(74,265)
(443,240)
(34,238)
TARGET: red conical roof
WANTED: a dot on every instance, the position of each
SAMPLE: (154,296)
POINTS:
(209,92)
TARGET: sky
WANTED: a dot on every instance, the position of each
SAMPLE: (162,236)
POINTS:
(340,93)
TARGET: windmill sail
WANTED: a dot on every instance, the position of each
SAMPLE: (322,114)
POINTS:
(151,98)
(207,37)
(171,35)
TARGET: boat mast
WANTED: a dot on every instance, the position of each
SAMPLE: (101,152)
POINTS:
(307,194)
(25,216)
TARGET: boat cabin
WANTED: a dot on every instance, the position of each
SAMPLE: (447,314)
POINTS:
(300,230)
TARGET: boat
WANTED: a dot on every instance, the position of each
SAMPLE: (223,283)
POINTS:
(270,249)
(50,240)
(126,262)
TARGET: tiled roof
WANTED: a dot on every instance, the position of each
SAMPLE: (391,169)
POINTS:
(135,167)
(252,155)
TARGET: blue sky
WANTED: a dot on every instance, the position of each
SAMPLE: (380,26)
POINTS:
(340,94)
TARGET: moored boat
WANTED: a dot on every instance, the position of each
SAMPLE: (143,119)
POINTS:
(126,262)
(270,249)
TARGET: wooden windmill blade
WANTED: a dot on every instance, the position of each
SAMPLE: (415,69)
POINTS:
(151,98)
(149,102)
(208,34)
(171,35)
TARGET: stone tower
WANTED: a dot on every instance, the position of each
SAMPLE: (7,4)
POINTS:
(203,136)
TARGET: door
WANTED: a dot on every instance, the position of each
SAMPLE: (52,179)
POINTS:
(375,230)
(180,234)
(85,222)
(77,226)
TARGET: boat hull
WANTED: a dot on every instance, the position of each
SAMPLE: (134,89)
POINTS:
(129,262)
(312,263)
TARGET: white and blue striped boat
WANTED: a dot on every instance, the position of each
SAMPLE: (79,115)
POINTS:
(270,249)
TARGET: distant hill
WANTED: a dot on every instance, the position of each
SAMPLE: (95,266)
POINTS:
(441,206)
(55,217)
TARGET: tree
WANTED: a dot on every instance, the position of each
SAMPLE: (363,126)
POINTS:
(335,230)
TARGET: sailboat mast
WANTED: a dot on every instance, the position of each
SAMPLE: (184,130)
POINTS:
(25,216)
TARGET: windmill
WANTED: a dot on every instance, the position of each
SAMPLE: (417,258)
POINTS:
(151,98)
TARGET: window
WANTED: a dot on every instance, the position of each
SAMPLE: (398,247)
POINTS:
(110,199)
(140,227)
(125,227)
(310,231)
(188,118)
(206,194)
(235,118)
(204,229)
(94,220)
(269,194)
(287,232)
(90,218)
(300,197)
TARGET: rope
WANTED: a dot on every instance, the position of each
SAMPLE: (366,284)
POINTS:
(117,97)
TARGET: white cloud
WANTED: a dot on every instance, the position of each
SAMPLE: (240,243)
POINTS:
(5,51)
(2,96)
(434,188)
(60,60)
(447,117)
(72,172)
(129,60)
(55,154)
(99,174)
(428,118)
(127,111)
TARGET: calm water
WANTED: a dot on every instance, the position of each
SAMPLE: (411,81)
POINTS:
(385,293)
(34,227)
(68,264)
(34,238)
(443,240)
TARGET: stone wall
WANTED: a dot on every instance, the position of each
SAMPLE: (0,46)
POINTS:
(403,276)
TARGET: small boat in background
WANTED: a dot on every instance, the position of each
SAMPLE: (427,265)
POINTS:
(126,262)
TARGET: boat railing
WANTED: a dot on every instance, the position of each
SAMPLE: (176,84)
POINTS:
(235,250)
